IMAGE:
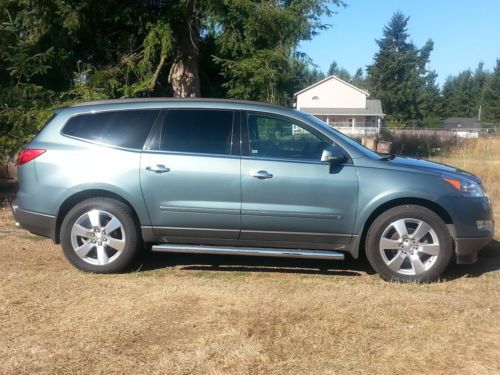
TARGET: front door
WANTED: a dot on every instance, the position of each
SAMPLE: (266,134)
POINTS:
(190,176)
(288,194)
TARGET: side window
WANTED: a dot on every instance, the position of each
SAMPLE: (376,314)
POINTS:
(279,138)
(120,128)
(197,131)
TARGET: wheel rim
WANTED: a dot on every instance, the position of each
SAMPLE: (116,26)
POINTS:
(409,246)
(98,237)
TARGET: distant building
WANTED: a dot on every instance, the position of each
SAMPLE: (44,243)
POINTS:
(341,105)
(463,127)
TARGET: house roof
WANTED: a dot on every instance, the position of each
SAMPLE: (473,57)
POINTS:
(373,108)
(327,79)
(461,123)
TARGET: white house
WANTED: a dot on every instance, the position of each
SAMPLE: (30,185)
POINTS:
(341,105)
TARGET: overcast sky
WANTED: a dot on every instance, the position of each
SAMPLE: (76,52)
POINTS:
(464,32)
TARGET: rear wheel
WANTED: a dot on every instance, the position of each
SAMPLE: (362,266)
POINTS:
(100,235)
(409,244)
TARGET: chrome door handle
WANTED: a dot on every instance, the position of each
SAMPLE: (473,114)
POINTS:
(158,168)
(261,175)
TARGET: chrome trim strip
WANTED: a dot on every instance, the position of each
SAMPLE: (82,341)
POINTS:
(196,229)
(292,214)
(298,233)
(201,210)
(286,253)
(284,160)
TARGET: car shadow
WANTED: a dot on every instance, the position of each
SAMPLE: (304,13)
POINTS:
(233,263)
(489,261)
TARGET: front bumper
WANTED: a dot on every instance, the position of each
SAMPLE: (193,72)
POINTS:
(467,249)
(34,222)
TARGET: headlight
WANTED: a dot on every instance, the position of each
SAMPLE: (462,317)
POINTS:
(467,188)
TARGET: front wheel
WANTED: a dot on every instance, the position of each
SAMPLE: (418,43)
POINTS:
(409,244)
(100,235)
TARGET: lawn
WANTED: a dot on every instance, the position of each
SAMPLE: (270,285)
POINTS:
(210,315)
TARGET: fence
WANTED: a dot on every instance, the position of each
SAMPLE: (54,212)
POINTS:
(358,129)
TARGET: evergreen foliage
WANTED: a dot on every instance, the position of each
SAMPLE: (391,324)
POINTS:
(491,97)
(398,75)
(56,52)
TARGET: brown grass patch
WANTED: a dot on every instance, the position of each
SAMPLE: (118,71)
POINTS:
(181,315)
(481,157)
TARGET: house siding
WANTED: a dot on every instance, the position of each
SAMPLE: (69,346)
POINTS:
(332,94)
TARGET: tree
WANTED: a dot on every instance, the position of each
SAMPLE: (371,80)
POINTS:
(462,94)
(342,73)
(56,52)
(398,74)
(431,101)
(359,79)
(491,97)
(257,45)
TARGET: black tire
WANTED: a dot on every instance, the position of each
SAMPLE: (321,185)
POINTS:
(384,227)
(130,236)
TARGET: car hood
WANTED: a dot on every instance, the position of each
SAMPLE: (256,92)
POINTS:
(429,167)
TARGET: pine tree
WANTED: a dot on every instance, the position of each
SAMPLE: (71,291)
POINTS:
(462,94)
(342,73)
(397,76)
(359,79)
(491,97)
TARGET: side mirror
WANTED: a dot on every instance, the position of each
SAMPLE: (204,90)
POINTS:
(333,155)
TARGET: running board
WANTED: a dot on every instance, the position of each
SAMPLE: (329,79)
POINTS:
(226,250)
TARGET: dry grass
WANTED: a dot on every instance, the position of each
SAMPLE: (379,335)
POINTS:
(181,315)
(481,157)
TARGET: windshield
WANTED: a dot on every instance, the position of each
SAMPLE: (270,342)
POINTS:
(364,150)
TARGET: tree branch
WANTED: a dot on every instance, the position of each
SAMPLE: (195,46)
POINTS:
(152,84)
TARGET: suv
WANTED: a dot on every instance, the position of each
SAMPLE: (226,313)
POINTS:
(232,177)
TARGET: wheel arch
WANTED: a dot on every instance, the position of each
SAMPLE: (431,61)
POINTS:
(80,196)
(358,247)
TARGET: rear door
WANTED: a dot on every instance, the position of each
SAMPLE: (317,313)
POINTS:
(190,174)
(288,194)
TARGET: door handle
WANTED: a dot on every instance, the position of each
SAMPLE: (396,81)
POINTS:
(261,175)
(158,168)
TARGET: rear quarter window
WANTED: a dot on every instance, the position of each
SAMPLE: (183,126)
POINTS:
(127,129)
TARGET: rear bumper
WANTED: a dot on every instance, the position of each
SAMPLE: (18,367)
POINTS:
(468,248)
(36,223)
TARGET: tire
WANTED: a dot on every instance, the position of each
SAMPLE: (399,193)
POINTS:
(409,243)
(100,235)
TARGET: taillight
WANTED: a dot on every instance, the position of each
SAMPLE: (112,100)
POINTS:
(28,154)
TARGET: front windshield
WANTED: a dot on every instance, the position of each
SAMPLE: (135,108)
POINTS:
(366,151)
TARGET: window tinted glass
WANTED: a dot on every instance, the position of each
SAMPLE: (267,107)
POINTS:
(197,131)
(121,128)
(279,138)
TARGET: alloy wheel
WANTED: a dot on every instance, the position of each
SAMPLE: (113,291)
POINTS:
(98,237)
(409,246)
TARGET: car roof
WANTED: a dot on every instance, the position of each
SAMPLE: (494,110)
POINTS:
(194,101)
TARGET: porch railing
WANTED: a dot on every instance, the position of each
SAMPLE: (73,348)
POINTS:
(357,130)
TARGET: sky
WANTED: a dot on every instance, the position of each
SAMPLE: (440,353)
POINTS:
(464,32)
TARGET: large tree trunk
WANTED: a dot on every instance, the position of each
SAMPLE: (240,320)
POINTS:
(184,76)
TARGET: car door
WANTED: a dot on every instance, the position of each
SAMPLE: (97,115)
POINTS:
(288,194)
(190,174)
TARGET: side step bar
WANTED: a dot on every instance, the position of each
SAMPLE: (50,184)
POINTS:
(226,250)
